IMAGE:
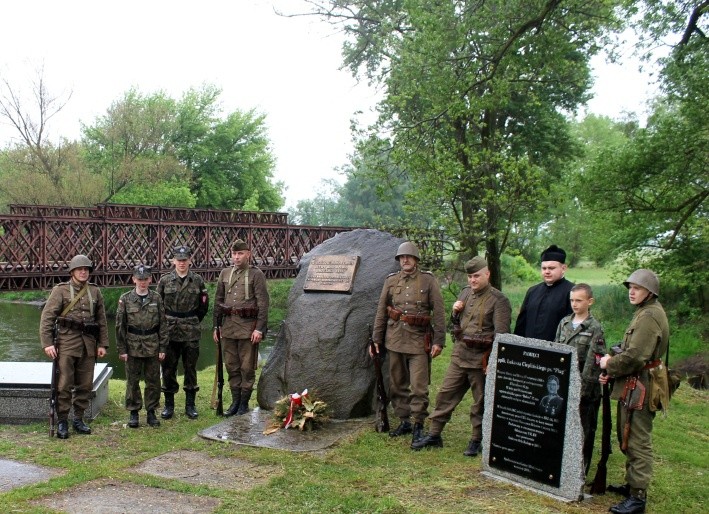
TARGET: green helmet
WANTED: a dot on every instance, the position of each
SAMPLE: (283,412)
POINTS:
(644,278)
(80,261)
(408,248)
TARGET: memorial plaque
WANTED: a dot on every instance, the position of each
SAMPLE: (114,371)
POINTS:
(331,273)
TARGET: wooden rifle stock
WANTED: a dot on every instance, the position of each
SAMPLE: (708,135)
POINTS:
(220,375)
(599,481)
(54,382)
(382,420)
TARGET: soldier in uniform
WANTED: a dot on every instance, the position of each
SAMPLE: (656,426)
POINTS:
(141,339)
(411,335)
(186,301)
(75,310)
(547,303)
(241,319)
(645,343)
(582,331)
(480,312)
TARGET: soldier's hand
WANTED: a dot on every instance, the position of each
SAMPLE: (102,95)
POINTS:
(161,356)
(603,378)
(123,357)
(604,361)
(458,306)
(215,335)
(51,352)
(371,353)
(436,350)
(256,337)
(101,352)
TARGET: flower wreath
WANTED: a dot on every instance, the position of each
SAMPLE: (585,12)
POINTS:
(302,411)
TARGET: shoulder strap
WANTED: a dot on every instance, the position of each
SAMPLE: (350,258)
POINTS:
(81,293)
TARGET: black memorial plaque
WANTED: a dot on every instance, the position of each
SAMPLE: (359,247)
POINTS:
(529,413)
(331,273)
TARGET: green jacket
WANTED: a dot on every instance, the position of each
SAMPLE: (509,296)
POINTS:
(186,303)
(137,315)
(589,341)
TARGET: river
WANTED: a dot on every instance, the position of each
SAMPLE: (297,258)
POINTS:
(19,340)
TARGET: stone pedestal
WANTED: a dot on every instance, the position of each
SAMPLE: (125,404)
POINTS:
(25,389)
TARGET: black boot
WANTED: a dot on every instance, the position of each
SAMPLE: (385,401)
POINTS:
(430,441)
(235,401)
(623,490)
(169,409)
(80,427)
(417,433)
(631,505)
(403,428)
(190,409)
(63,429)
(152,419)
(473,448)
(133,420)
(244,404)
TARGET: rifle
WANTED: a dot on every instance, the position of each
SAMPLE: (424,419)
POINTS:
(55,379)
(382,421)
(220,374)
(632,399)
(599,481)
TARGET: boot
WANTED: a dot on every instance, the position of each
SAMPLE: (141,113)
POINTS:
(473,448)
(417,433)
(430,441)
(153,420)
(63,429)
(403,428)
(631,505)
(190,409)
(623,490)
(169,409)
(244,405)
(235,401)
(133,421)
(80,427)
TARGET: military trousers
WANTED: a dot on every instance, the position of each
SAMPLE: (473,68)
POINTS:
(147,368)
(408,384)
(241,360)
(188,351)
(76,378)
(456,383)
(638,456)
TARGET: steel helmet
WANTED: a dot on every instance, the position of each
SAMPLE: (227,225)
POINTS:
(80,261)
(408,248)
(645,278)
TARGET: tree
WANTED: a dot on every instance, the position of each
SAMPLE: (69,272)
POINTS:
(473,100)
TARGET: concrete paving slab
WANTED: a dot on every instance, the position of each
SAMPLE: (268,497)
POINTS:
(202,469)
(17,474)
(248,430)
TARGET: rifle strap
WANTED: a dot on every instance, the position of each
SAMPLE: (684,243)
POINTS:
(76,298)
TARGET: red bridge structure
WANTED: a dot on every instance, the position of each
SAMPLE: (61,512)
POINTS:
(37,242)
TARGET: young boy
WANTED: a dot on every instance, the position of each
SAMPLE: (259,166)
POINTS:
(141,339)
(584,332)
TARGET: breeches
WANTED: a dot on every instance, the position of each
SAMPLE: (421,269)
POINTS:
(456,383)
(240,359)
(638,457)
(147,368)
(408,384)
(189,352)
(76,374)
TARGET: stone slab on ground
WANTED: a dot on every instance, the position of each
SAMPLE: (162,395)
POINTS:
(248,430)
(17,474)
(114,497)
(199,468)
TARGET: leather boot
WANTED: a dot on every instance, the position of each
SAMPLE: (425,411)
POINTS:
(63,429)
(80,427)
(403,428)
(623,490)
(244,404)
(190,409)
(235,401)
(417,432)
(473,449)
(133,420)
(169,409)
(631,505)
(152,419)
(430,441)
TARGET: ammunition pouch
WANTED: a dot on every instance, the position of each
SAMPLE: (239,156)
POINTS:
(415,320)
(483,342)
(245,312)
(142,332)
(394,313)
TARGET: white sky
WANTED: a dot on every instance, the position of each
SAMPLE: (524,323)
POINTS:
(286,68)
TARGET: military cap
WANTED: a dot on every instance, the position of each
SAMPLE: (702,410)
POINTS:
(475,264)
(239,245)
(554,253)
(141,271)
(182,253)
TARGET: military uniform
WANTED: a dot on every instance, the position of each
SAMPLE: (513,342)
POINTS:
(240,307)
(76,348)
(588,339)
(141,333)
(186,302)
(415,294)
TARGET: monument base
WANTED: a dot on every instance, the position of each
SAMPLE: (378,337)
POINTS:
(25,389)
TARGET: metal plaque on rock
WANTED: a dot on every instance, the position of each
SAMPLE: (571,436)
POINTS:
(331,273)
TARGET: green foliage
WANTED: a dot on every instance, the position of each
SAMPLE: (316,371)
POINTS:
(170,193)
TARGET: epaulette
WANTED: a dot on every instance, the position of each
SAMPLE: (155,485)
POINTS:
(465,287)
(392,274)
(427,272)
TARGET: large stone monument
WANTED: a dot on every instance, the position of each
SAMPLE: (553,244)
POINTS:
(532,433)
(322,344)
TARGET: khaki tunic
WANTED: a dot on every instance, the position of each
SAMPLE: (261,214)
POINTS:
(231,291)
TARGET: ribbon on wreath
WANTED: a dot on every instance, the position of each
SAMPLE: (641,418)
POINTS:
(296,400)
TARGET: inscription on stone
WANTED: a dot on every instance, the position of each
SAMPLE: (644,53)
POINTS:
(331,273)
(529,414)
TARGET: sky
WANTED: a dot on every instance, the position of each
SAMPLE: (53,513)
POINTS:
(285,68)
